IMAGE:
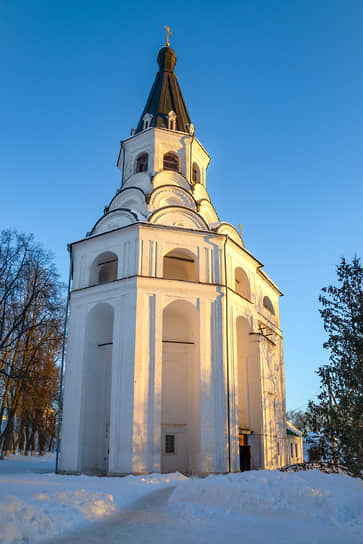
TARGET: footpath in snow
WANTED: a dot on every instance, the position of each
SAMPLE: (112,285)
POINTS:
(37,505)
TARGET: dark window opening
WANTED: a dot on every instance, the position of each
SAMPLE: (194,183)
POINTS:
(195,173)
(178,266)
(170,443)
(142,163)
(171,162)
(107,271)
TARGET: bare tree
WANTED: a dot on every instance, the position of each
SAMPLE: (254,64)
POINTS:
(31,309)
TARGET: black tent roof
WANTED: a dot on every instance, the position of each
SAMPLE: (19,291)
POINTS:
(165,95)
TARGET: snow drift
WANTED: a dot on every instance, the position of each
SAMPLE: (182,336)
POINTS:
(331,498)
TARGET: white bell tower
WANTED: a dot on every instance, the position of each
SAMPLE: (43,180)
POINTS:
(174,355)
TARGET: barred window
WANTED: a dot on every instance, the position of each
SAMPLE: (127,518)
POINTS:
(170,443)
(142,163)
(171,162)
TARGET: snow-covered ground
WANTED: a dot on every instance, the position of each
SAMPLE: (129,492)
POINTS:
(292,508)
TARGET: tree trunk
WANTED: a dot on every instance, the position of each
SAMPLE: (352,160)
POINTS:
(21,441)
(27,437)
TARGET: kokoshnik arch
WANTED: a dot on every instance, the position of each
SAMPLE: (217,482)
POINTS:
(175,355)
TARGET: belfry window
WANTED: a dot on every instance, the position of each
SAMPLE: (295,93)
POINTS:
(171,162)
(142,163)
(195,173)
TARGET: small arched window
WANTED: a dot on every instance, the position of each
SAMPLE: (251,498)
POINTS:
(142,162)
(180,264)
(242,285)
(171,162)
(146,121)
(104,268)
(268,305)
(171,120)
(195,173)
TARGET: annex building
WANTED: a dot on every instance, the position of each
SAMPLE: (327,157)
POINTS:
(174,359)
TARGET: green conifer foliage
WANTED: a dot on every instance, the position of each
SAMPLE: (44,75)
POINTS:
(338,413)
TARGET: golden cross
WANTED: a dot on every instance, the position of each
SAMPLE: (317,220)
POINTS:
(240,230)
(167,35)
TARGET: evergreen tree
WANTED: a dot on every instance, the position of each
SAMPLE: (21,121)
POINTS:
(338,413)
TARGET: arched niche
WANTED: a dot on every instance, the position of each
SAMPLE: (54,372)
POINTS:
(141,180)
(104,268)
(168,177)
(248,393)
(96,389)
(227,228)
(200,192)
(114,219)
(268,305)
(241,283)
(176,216)
(180,392)
(180,264)
(170,195)
(207,211)
(131,198)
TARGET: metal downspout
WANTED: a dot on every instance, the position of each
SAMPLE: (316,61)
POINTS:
(60,395)
(227,355)
(123,163)
(190,160)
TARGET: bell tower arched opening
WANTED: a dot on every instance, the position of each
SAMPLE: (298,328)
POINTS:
(142,162)
(180,413)
(171,161)
(96,389)
(195,173)
(104,268)
(180,264)
(242,285)
(268,305)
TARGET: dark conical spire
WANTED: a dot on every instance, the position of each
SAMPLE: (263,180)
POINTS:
(165,96)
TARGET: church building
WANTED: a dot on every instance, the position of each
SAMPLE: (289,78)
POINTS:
(174,358)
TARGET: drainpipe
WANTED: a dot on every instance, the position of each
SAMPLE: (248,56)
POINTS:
(190,159)
(123,163)
(60,395)
(227,354)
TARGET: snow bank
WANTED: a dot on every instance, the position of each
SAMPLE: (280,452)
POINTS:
(331,498)
(36,505)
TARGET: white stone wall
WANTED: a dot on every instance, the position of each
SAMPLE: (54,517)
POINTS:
(158,141)
(232,381)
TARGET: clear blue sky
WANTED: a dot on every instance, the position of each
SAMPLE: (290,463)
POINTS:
(274,89)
